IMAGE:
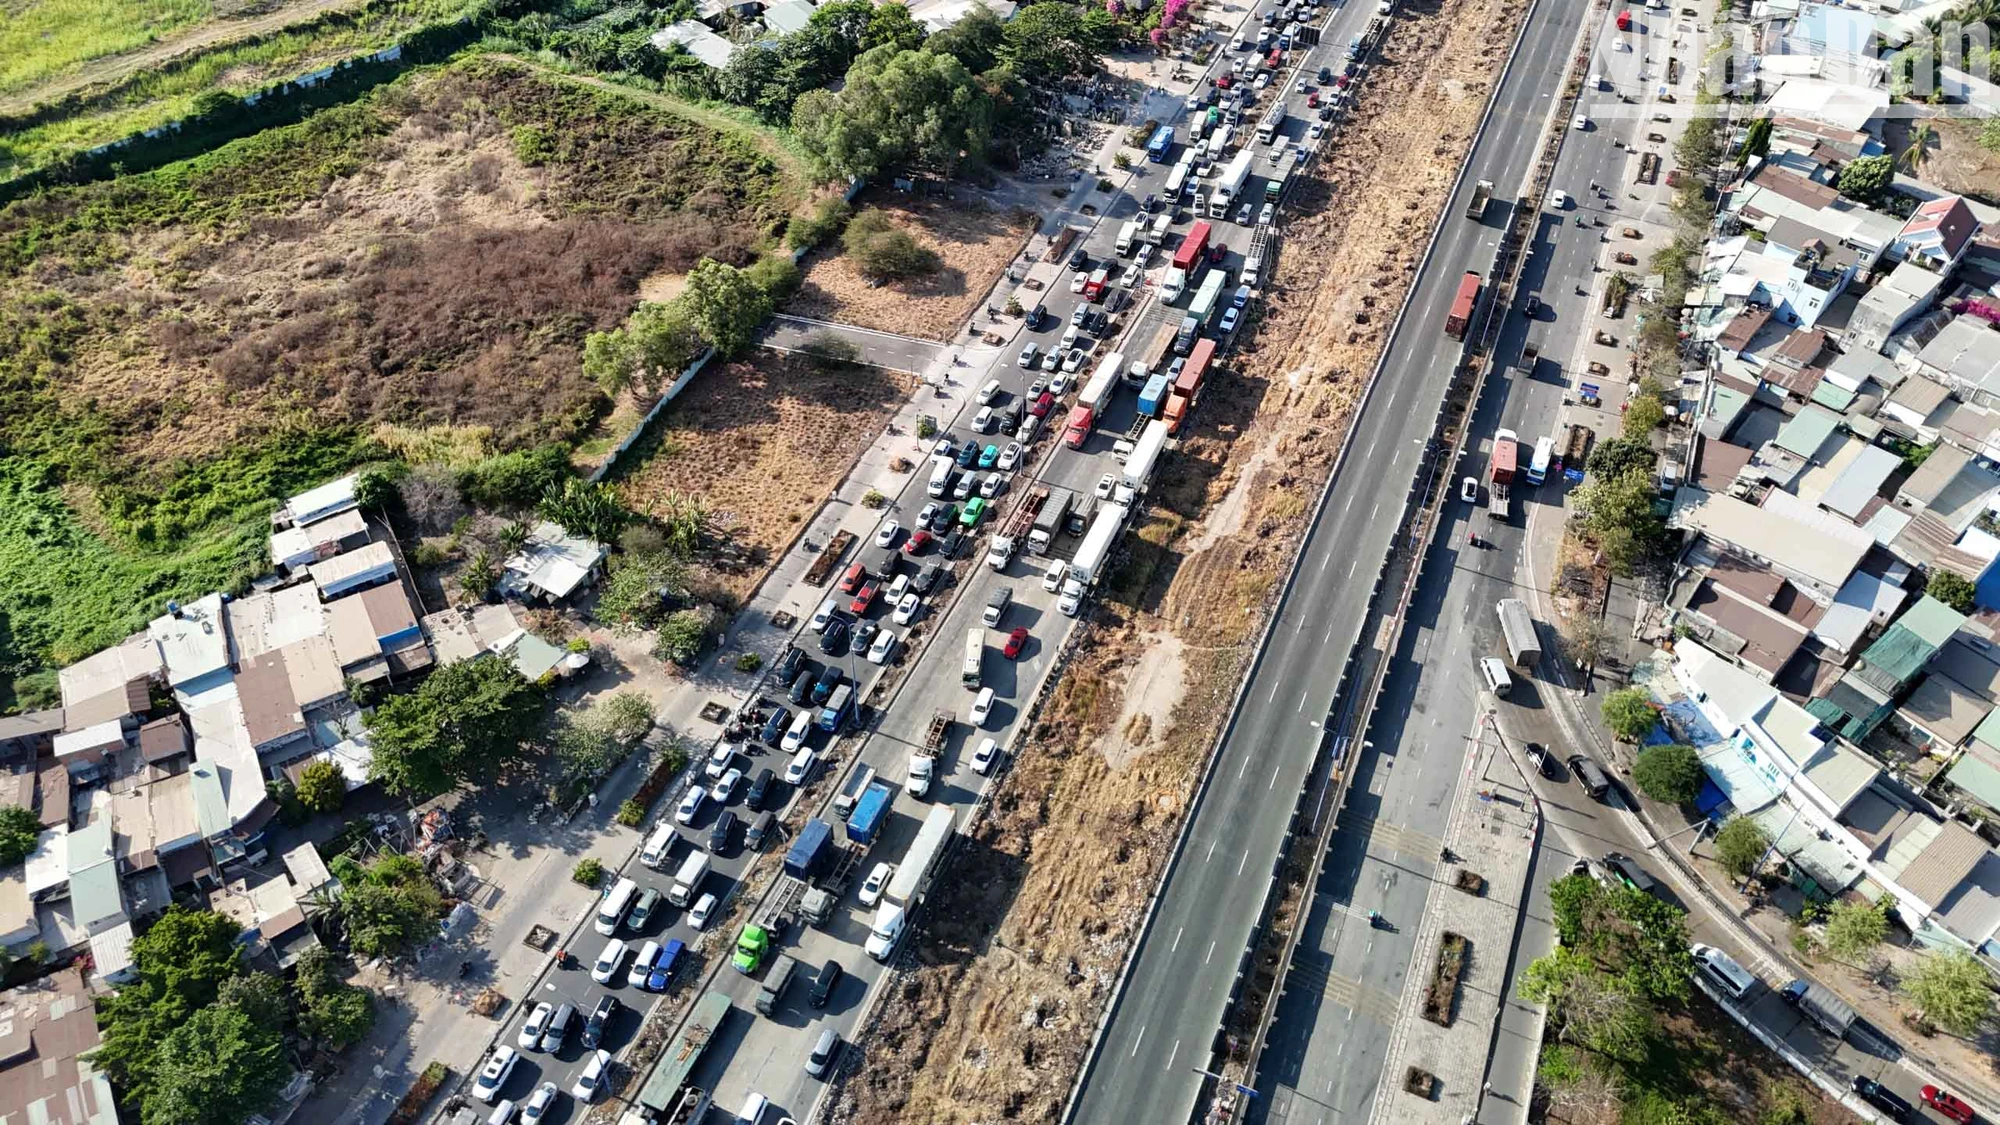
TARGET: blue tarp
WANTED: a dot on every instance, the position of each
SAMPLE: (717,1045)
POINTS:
(1710,798)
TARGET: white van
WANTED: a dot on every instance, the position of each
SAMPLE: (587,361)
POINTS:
(1498,680)
(688,879)
(611,909)
(658,845)
(753,1109)
(795,735)
(990,391)
(941,470)
(1722,970)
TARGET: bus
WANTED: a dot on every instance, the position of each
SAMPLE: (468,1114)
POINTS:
(1162,142)
(975,651)
(1209,299)
(1538,467)
(1177,180)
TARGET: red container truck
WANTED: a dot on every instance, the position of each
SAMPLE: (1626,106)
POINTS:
(1188,385)
(1460,315)
(1192,247)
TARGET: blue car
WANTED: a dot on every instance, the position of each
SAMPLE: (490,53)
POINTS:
(967,454)
(663,969)
(988,456)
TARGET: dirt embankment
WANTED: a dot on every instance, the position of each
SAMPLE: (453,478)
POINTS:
(1035,917)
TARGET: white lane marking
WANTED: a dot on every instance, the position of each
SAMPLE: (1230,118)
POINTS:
(1211,852)
(1136,1042)
(1241,862)
(1211,954)
(1176,1053)
(1376,512)
(1352,563)
(1246,763)
(1177,939)
(1302,701)
(1274,776)
(1274,689)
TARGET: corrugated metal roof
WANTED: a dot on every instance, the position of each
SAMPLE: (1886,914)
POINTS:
(1943,863)
(1977,778)
(1807,431)
(1946,708)
(1864,478)
(1909,644)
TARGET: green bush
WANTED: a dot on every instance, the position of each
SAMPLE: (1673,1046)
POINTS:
(516,480)
(776,274)
(1952,590)
(884,251)
(588,872)
(631,814)
(828,218)
(1629,713)
(1670,773)
(749,662)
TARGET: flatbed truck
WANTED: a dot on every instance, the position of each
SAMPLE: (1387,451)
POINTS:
(923,762)
(1482,194)
(1499,499)
(1001,551)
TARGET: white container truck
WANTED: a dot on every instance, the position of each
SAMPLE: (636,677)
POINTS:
(1096,546)
(1127,235)
(912,877)
(1230,185)
(1145,452)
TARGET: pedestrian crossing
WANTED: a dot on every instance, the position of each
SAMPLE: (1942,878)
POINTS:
(1357,997)
(1383,836)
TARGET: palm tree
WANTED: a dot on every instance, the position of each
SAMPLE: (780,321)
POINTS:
(1922,139)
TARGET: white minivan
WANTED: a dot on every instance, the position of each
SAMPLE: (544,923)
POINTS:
(658,845)
(1723,971)
(795,735)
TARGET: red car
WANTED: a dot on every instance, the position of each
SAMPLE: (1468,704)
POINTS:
(1044,403)
(1312,100)
(864,599)
(1225,82)
(1015,640)
(1946,1104)
(1217,252)
(851,581)
(1342,82)
(917,543)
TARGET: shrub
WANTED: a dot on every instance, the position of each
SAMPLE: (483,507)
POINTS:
(1629,713)
(884,251)
(1669,773)
(1952,590)
(631,814)
(749,662)
(873,499)
(778,276)
(682,636)
(807,232)
(588,872)
(1740,845)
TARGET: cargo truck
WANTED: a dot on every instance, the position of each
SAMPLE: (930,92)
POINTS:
(1253,259)
(1127,236)
(1193,246)
(869,809)
(666,1088)
(1145,453)
(857,783)
(913,876)
(1093,286)
(1230,185)
(1154,359)
(1817,1003)
(1049,520)
(1208,302)
(1096,392)
(1162,142)
(1088,562)
(1539,461)
(1080,514)
(1524,648)
(1460,314)
(810,849)
(1274,188)
(923,761)
(1008,540)
(1273,121)
(1188,387)
(1153,395)
(1482,194)
(839,714)
(1499,501)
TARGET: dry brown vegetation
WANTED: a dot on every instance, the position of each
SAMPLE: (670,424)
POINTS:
(762,441)
(1957,161)
(1036,917)
(974,241)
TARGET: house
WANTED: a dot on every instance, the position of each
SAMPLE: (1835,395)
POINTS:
(1965,355)
(375,634)
(696,39)
(1890,304)
(1796,367)
(1864,697)
(51,1027)
(296,547)
(29,735)
(552,565)
(1937,235)
(786,16)
(359,569)
(322,502)
(1910,409)
(1815,550)
(194,645)
(110,670)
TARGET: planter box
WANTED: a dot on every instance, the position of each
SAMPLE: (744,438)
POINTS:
(1441,995)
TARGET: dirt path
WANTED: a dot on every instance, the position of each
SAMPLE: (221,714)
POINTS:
(1036,915)
(792,162)
(208,34)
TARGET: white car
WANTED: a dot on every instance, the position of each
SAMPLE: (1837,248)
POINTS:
(590,1080)
(888,533)
(718,762)
(876,883)
(494,1074)
(1559,201)
(725,786)
(1051,360)
(906,610)
(1317,131)
(1069,337)
(982,707)
(1579,122)
(1078,281)
(795,735)
(801,766)
(1130,276)
(1052,578)
(1269,212)
(824,614)
(642,966)
(704,909)
(883,648)
(1144,255)
(537,1026)
(1009,457)
(1073,362)
(1059,385)
(1105,484)
(982,758)
(690,806)
(1263,79)
(608,961)
(1030,354)
(897,589)
(536,1108)
(1468,490)
(991,484)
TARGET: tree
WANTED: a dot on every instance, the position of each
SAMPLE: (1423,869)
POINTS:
(179,965)
(1867,178)
(1048,42)
(1854,929)
(1618,513)
(462,718)
(587,508)
(1952,590)
(682,636)
(1922,139)
(1951,990)
(322,787)
(1571,900)
(479,576)
(513,479)
(633,596)
(725,306)
(1643,416)
(627,715)
(899,110)
(216,1068)
(884,251)
(1585,639)
(375,484)
(1588,1007)
(658,338)
(975,40)
(584,749)
(1756,140)
(389,907)
(1740,845)
(1669,773)
(331,1011)
(1629,713)
(265,998)
(1621,455)
(20,832)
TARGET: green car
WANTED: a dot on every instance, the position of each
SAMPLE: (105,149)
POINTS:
(751,946)
(974,509)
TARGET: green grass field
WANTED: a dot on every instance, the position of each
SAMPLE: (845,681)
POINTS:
(47,37)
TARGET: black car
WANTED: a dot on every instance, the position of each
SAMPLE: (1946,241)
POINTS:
(864,632)
(1151,203)
(1325,75)
(788,664)
(953,544)
(593,1028)
(1882,1098)
(774,728)
(1533,307)
(927,579)
(1326,112)
(829,678)
(947,514)
(802,685)
(1095,323)
(1078,259)
(823,985)
(762,787)
(722,837)
(833,642)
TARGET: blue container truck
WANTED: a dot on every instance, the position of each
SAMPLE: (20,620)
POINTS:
(838,714)
(868,813)
(1154,395)
(810,849)
(1161,144)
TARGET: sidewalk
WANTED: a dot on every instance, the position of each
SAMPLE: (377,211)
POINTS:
(1495,822)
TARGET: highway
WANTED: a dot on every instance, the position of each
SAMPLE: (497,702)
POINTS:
(1181,981)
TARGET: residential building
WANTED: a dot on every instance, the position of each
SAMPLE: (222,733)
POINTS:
(49,1029)
(1890,304)
(1937,235)
(552,565)
(1965,356)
